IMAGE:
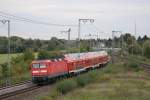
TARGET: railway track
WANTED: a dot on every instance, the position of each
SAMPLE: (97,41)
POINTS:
(15,90)
(13,85)
(144,65)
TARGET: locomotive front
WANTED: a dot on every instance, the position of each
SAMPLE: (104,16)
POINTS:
(39,71)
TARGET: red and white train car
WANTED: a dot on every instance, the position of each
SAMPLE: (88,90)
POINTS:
(44,70)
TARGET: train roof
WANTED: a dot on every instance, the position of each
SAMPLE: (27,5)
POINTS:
(87,55)
(41,61)
(47,60)
(75,56)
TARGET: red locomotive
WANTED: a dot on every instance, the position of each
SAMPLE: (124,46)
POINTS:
(72,64)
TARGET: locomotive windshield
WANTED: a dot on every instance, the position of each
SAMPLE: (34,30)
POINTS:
(39,65)
(42,65)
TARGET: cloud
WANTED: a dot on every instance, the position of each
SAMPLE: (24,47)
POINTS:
(106,12)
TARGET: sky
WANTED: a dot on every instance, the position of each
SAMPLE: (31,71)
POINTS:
(119,15)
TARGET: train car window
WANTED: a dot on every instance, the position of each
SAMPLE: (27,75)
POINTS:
(42,65)
(35,65)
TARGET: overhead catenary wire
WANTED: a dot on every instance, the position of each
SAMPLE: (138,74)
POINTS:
(18,18)
(98,29)
(1,26)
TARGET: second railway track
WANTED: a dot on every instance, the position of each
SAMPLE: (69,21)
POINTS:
(144,65)
(21,83)
(15,90)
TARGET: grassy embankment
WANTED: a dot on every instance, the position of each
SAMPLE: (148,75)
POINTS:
(19,69)
(140,59)
(4,57)
(120,81)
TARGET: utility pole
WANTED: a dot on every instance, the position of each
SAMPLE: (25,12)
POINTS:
(79,29)
(113,43)
(135,29)
(9,63)
(68,32)
(90,41)
(135,32)
(143,49)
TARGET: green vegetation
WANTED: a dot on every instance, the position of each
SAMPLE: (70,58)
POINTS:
(66,86)
(139,58)
(112,90)
(85,79)
(43,54)
(18,44)
(146,47)
(123,84)
(4,57)
(133,66)
(19,68)
(130,45)
(124,81)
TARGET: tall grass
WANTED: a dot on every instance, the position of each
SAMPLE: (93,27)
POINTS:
(66,86)
(132,66)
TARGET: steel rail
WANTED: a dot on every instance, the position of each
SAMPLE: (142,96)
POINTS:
(15,90)
(144,65)
(17,84)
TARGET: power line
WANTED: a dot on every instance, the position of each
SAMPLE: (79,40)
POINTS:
(98,29)
(18,18)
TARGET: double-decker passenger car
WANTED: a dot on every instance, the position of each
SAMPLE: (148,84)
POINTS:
(72,64)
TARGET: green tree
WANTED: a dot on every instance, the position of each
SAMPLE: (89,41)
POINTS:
(3,44)
(146,47)
(145,38)
(28,54)
(43,54)
(4,70)
(56,44)
(137,48)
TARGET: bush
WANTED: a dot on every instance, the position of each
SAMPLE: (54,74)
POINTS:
(44,98)
(56,54)
(133,66)
(147,49)
(19,67)
(66,86)
(43,54)
(54,94)
(104,78)
(84,80)
(94,74)
(28,54)
(4,70)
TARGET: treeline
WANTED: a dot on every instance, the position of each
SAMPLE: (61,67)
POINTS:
(132,45)
(127,42)
(18,44)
